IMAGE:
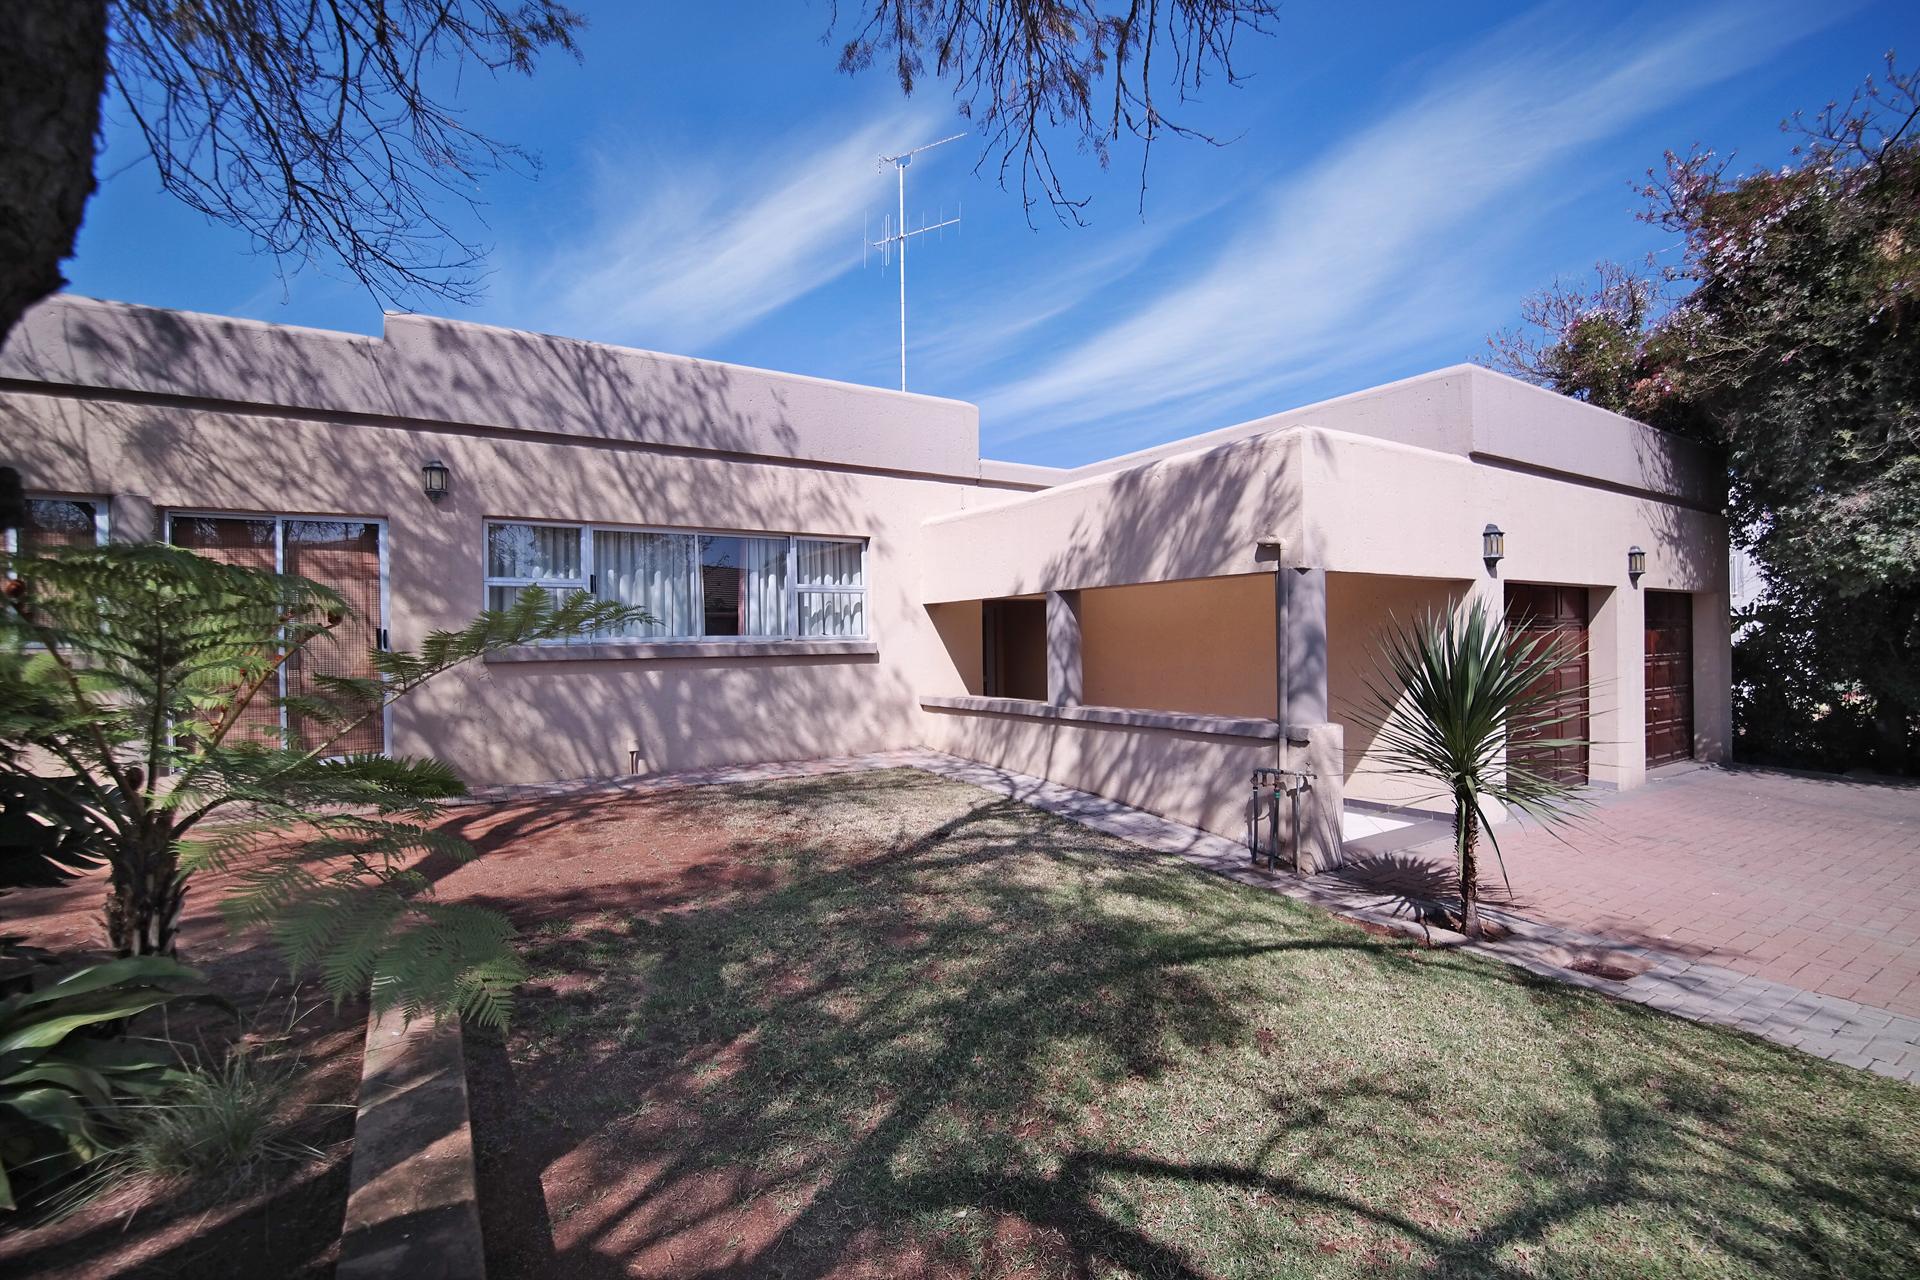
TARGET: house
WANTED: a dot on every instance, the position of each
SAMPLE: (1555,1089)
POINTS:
(834,568)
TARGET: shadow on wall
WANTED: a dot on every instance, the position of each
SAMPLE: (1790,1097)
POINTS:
(1183,517)
(512,722)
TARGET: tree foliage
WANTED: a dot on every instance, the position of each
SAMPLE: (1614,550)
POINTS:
(1449,695)
(127,674)
(1022,69)
(1789,337)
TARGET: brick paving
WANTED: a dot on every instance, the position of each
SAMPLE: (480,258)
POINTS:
(1810,882)
(1736,819)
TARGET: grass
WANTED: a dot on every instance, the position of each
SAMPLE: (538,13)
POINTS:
(225,1124)
(946,1025)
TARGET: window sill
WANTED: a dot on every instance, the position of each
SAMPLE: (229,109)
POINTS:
(651,650)
(1125,717)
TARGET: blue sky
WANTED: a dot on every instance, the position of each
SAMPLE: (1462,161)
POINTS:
(1400,176)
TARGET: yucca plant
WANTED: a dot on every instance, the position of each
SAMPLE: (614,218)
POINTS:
(127,674)
(65,1088)
(1449,694)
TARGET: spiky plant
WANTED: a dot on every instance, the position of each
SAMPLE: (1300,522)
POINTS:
(1449,693)
(127,673)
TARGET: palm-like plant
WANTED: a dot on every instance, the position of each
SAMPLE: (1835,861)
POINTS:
(126,676)
(1449,694)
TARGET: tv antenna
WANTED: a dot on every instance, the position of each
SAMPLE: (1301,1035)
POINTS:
(893,238)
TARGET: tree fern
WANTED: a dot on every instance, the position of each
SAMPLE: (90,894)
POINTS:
(126,673)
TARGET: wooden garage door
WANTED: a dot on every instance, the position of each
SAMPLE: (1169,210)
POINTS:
(1537,609)
(1669,677)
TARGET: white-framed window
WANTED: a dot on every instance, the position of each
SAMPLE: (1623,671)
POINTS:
(60,522)
(693,584)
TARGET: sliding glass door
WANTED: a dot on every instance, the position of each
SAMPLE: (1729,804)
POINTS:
(348,556)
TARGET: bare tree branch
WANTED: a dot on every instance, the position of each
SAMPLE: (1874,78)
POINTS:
(1023,69)
(326,128)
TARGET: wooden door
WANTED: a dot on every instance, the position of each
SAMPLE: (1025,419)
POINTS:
(343,555)
(248,543)
(1540,610)
(1669,671)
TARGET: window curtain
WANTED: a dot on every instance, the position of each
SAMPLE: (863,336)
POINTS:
(829,564)
(839,606)
(653,571)
(58,522)
(832,613)
(763,587)
(548,553)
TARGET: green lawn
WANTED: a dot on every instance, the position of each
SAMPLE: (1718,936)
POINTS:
(937,1025)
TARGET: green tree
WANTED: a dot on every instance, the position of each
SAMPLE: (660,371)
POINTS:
(1789,338)
(126,676)
(1448,696)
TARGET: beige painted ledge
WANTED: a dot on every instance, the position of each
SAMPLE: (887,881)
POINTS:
(1127,717)
(643,650)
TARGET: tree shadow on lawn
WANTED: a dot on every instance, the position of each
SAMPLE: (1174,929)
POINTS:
(943,1032)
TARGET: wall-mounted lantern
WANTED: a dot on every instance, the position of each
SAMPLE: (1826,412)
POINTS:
(433,478)
(1636,564)
(1493,546)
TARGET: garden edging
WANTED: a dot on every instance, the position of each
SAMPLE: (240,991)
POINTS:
(412,1210)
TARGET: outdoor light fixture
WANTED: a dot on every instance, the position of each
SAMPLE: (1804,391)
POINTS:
(1636,564)
(433,478)
(1493,545)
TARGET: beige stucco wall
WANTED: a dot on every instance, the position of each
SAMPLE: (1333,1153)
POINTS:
(1197,515)
(1202,645)
(539,720)
(1557,531)
(1396,483)
(1197,779)
(1357,503)
(432,370)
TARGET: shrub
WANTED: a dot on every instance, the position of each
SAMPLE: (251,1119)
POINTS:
(66,1079)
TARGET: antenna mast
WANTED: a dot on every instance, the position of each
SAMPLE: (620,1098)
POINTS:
(890,238)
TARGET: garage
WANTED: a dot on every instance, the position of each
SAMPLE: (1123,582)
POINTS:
(1538,609)
(1669,677)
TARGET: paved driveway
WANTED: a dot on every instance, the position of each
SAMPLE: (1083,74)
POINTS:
(1809,881)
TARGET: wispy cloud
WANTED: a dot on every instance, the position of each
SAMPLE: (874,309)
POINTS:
(1351,250)
(683,251)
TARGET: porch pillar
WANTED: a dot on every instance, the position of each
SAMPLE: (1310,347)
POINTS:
(1488,591)
(1617,686)
(1713,673)
(1063,648)
(1309,742)
(1303,646)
